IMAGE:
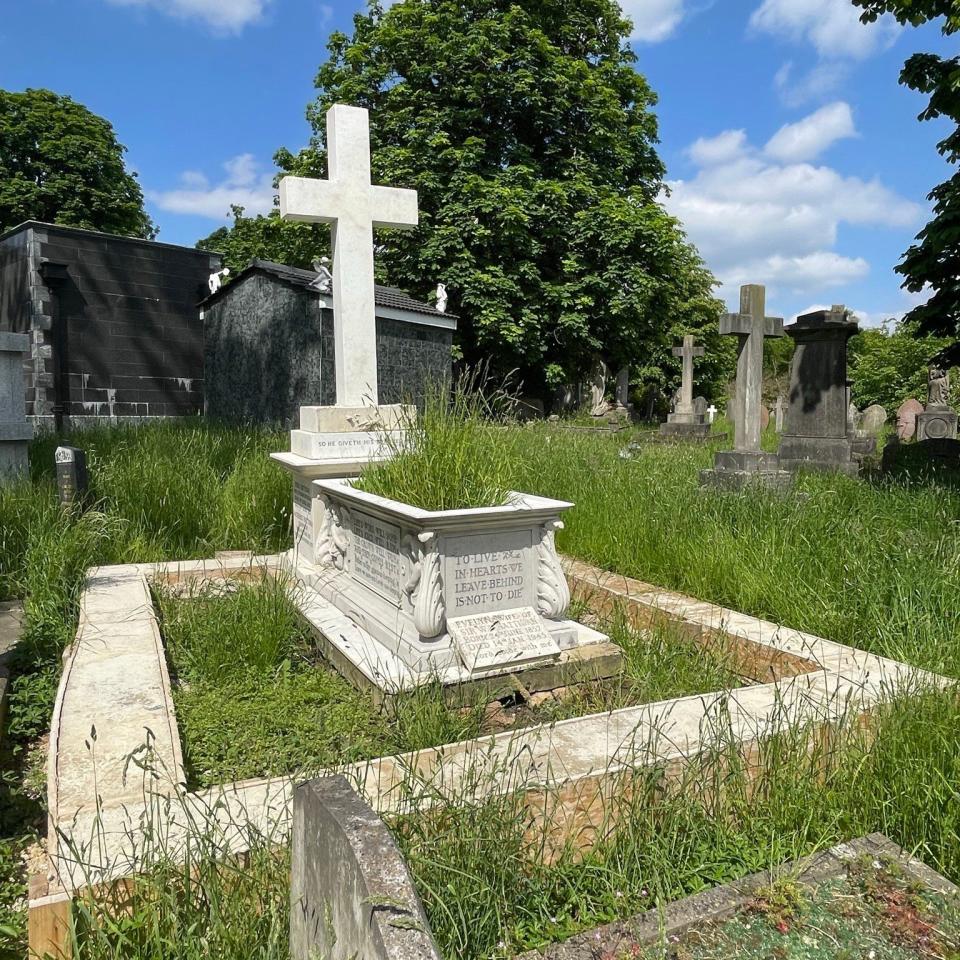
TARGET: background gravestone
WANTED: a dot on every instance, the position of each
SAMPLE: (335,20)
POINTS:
(15,432)
(72,480)
(873,418)
(907,418)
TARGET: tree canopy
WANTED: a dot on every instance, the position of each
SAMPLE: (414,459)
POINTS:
(60,163)
(531,140)
(934,259)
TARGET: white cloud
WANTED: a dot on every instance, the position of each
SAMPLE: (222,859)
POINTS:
(243,184)
(795,90)
(228,16)
(763,216)
(833,27)
(653,20)
(812,135)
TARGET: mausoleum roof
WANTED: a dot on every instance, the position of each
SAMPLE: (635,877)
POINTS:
(390,297)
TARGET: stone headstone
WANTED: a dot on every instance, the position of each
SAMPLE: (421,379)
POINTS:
(72,480)
(939,420)
(15,432)
(764,418)
(873,418)
(686,420)
(779,413)
(700,406)
(817,435)
(351,893)
(712,412)
(907,418)
(747,463)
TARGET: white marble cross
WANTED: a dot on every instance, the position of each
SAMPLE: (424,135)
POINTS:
(751,326)
(353,206)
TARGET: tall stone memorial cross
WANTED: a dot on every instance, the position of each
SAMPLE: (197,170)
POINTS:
(752,326)
(687,352)
(354,207)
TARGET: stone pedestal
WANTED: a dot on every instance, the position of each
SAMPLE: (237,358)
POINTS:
(937,422)
(816,434)
(694,428)
(737,469)
(15,431)
(335,442)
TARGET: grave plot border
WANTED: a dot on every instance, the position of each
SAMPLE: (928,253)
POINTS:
(568,771)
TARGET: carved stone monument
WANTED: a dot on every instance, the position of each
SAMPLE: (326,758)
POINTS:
(598,389)
(686,421)
(816,436)
(339,441)
(939,420)
(15,432)
(401,596)
(451,596)
(622,408)
(747,463)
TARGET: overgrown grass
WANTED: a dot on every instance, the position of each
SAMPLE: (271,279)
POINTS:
(446,460)
(253,700)
(874,563)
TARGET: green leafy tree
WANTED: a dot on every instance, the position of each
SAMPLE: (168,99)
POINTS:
(267,238)
(889,365)
(935,258)
(530,139)
(60,163)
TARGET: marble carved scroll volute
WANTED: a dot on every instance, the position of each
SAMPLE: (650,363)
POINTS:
(332,538)
(424,586)
(553,593)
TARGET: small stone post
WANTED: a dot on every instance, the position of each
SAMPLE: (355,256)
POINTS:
(747,462)
(15,431)
(351,894)
(817,436)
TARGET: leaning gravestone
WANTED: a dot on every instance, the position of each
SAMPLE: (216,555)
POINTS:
(72,480)
(764,418)
(351,893)
(15,432)
(907,418)
(872,419)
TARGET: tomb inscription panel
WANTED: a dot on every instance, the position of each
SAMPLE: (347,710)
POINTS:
(500,639)
(376,555)
(303,519)
(483,573)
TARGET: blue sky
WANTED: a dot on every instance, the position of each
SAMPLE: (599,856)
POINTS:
(794,158)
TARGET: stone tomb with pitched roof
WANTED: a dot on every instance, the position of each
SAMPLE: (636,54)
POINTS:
(270,346)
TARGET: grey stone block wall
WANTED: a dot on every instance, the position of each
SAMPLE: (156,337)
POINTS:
(351,895)
(15,432)
(269,350)
(134,339)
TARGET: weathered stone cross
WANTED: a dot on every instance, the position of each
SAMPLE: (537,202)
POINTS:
(354,207)
(751,325)
(688,351)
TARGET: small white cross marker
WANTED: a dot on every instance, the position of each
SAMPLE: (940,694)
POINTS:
(354,207)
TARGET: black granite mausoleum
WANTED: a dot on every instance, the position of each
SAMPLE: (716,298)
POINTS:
(113,321)
(270,348)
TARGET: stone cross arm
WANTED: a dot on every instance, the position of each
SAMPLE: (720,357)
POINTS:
(325,201)
(689,350)
(742,324)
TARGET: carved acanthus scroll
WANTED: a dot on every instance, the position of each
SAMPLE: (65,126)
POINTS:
(424,586)
(553,593)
